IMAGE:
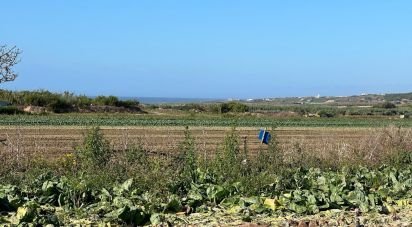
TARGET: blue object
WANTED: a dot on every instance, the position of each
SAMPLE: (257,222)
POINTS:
(264,136)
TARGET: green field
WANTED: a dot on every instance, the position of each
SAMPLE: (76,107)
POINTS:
(187,120)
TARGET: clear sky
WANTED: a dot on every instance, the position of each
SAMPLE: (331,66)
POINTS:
(211,49)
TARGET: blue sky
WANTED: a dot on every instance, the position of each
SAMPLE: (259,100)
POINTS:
(211,49)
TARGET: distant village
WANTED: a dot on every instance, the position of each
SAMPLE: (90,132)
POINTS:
(363,99)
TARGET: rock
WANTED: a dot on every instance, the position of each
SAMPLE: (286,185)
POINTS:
(34,109)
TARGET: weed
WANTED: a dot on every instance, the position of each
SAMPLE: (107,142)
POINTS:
(95,151)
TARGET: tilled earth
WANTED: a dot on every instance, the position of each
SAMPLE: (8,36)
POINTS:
(54,141)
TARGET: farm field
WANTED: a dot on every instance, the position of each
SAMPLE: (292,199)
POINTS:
(54,141)
(196,120)
(54,135)
(319,173)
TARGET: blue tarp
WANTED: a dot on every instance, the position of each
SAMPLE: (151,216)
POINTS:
(264,136)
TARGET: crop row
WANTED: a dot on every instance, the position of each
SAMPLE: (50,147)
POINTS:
(77,120)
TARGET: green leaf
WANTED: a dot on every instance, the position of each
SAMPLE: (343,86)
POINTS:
(194,195)
(173,204)
(156,219)
(27,212)
(127,184)
(297,208)
(270,203)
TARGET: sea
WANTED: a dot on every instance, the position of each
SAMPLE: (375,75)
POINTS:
(164,100)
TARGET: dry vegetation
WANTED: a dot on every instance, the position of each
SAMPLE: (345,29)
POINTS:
(329,146)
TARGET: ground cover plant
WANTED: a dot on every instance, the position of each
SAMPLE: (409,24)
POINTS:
(96,185)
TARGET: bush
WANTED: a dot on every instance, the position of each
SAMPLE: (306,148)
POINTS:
(60,106)
(385,105)
(390,113)
(326,113)
(188,160)
(228,161)
(270,159)
(127,103)
(215,108)
(235,107)
(106,101)
(10,110)
(62,102)
(39,98)
(95,151)
(83,101)
(191,107)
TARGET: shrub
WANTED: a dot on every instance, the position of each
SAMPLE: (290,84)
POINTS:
(62,102)
(235,107)
(187,160)
(272,158)
(390,113)
(10,110)
(191,107)
(214,108)
(385,105)
(136,155)
(107,101)
(228,161)
(95,151)
(38,98)
(83,101)
(60,106)
(127,103)
(401,158)
(326,113)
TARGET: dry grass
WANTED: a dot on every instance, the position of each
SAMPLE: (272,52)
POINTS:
(314,146)
(374,148)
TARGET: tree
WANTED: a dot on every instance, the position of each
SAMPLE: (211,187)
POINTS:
(8,58)
(236,107)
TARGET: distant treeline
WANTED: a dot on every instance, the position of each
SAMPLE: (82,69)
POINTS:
(63,102)
(228,107)
(380,109)
(69,102)
(398,97)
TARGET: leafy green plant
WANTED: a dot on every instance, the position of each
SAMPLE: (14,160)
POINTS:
(228,161)
(95,151)
(188,159)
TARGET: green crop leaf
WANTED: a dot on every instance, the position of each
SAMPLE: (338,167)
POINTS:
(173,204)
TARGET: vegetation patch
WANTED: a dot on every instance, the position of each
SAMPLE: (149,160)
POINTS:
(97,185)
